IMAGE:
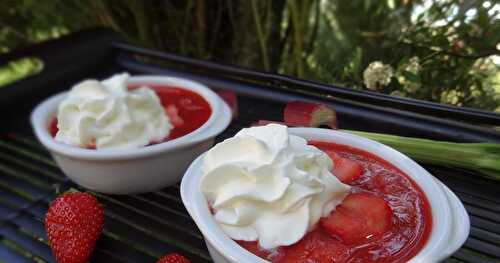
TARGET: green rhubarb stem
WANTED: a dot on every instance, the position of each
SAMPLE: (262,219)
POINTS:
(480,157)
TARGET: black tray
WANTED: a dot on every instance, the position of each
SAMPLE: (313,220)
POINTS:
(140,228)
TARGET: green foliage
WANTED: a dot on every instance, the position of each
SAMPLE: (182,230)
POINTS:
(27,21)
(454,49)
(441,51)
(18,69)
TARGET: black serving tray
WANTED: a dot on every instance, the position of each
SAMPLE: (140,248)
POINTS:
(140,228)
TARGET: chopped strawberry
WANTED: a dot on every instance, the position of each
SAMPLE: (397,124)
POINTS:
(53,127)
(374,210)
(73,223)
(230,98)
(330,251)
(173,114)
(346,170)
(173,258)
(358,218)
(308,114)
(316,246)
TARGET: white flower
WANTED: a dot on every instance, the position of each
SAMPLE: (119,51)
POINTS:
(412,66)
(377,75)
(482,66)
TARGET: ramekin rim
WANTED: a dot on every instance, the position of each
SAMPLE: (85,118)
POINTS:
(40,116)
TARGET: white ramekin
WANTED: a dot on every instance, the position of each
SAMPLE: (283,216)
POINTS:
(128,171)
(450,222)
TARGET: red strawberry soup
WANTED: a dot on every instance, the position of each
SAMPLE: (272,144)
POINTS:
(187,110)
(385,218)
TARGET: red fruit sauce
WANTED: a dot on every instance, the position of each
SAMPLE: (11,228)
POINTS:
(190,109)
(410,228)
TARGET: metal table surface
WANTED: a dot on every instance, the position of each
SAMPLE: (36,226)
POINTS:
(140,228)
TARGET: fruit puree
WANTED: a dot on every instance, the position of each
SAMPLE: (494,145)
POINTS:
(186,109)
(405,234)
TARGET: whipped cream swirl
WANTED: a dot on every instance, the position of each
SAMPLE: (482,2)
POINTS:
(268,185)
(108,115)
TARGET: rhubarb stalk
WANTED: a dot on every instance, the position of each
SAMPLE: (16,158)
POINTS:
(480,157)
(308,114)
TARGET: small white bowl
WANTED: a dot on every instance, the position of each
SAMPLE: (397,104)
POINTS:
(450,222)
(128,171)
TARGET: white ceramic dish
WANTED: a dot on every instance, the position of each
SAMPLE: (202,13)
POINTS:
(450,222)
(133,170)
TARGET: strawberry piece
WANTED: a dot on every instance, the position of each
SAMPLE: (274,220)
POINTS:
(53,127)
(330,251)
(308,114)
(316,246)
(73,223)
(346,170)
(230,98)
(173,258)
(173,114)
(358,218)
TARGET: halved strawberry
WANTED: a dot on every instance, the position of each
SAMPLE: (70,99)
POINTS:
(358,218)
(347,171)
(309,114)
(173,114)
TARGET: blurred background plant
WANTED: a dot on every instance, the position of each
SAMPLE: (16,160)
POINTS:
(444,51)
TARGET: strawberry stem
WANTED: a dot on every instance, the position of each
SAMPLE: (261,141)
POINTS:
(72,190)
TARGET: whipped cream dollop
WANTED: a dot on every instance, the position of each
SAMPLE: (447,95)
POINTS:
(106,114)
(268,185)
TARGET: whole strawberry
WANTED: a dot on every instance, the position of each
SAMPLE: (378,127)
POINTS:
(173,258)
(73,223)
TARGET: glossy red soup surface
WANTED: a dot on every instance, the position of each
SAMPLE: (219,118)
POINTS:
(410,219)
(186,109)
